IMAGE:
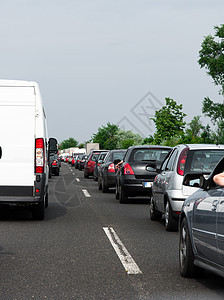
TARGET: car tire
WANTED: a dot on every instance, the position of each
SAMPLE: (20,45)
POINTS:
(57,172)
(154,214)
(122,196)
(117,192)
(86,176)
(170,222)
(105,189)
(99,184)
(186,255)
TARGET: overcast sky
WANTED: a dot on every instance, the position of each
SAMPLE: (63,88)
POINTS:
(97,61)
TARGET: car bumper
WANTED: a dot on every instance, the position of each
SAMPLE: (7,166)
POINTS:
(133,188)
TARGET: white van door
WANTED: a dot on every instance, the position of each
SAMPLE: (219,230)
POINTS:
(17,135)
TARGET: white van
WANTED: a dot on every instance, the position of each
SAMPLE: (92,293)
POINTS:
(23,147)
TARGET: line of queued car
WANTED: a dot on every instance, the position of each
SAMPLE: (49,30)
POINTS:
(178,183)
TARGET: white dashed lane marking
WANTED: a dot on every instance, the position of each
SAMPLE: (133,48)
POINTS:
(86,193)
(127,261)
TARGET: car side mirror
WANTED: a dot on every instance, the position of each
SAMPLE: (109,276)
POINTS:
(194,180)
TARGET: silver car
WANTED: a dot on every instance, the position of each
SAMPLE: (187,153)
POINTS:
(168,191)
(201,226)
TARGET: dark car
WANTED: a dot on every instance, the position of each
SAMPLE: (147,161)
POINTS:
(77,161)
(137,172)
(201,225)
(168,192)
(90,164)
(54,164)
(82,161)
(99,162)
(107,170)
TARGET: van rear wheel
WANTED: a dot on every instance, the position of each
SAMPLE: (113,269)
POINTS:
(38,211)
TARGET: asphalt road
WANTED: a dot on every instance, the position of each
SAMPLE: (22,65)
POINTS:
(92,247)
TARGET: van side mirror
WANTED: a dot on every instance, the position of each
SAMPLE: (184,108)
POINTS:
(194,180)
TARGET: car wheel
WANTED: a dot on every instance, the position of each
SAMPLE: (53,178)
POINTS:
(57,172)
(86,176)
(186,255)
(122,197)
(95,178)
(154,214)
(117,192)
(99,184)
(170,222)
(104,187)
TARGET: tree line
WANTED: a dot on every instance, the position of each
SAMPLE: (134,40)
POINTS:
(170,127)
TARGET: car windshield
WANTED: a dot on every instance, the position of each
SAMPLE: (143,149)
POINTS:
(149,154)
(204,160)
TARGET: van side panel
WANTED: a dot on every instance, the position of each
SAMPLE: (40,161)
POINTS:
(17,136)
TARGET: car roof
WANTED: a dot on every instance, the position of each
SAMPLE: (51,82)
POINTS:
(150,146)
(202,146)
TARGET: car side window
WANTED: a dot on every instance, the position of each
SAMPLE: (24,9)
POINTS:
(171,160)
(163,166)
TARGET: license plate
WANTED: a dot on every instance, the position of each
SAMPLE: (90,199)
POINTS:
(147,184)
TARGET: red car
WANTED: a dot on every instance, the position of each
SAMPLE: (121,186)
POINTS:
(90,164)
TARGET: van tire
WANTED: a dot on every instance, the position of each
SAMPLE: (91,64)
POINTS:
(46,198)
(38,211)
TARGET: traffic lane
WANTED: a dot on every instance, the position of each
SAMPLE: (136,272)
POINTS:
(154,249)
(70,255)
(62,257)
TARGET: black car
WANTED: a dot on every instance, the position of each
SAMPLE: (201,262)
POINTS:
(77,160)
(137,172)
(54,165)
(201,225)
(107,170)
(99,161)
(82,161)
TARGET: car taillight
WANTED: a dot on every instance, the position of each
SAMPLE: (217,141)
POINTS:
(182,161)
(128,170)
(111,168)
(54,163)
(39,145)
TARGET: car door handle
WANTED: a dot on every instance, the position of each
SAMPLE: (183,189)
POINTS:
(0,152)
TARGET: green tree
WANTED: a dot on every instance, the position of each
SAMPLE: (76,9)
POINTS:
(106,136)
(127,139)
(169,122)
(81,145)
(193,132)
(148,141)
(211,56)
(69,143)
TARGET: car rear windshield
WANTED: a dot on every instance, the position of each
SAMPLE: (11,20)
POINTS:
(145,154)
(118,155)
(95,157)
(203,160)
